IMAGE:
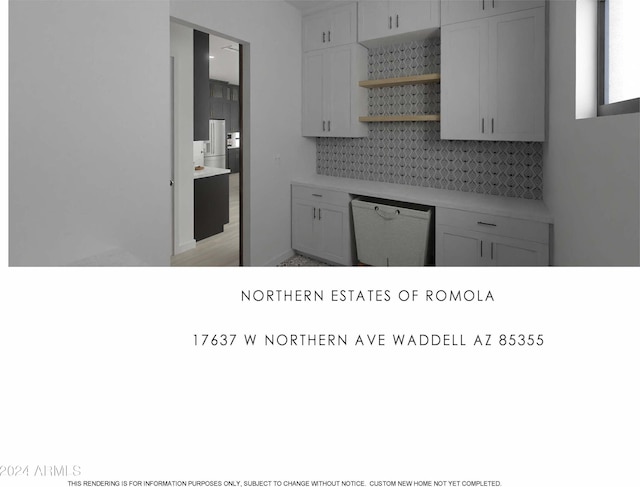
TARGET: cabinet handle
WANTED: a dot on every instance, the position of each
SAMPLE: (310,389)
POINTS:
(493,3)
(487,224)
(481,248)
(323,34)
(314,213)
(323,124)
(483,125)
(482,4)
(329,126)
(397,21)
(320,216)
(491,250)
(492,125)
(329,37)
(317,195)
(390,22)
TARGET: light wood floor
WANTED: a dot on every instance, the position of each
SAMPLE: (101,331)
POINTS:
(222,249)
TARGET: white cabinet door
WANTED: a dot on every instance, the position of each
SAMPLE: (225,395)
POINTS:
(332,224)
(374,21)
(464,74)
(338,92)
(457,247)
(330,28)
(312,93)
(516,82)
(411,16)
(305,235)
(343,25)
(506,251)
(314,31)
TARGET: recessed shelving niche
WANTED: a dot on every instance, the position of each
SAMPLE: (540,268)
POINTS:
(405,80)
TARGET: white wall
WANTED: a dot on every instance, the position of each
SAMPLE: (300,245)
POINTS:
(88,131)
(592,166)
(273,31)
(182,52)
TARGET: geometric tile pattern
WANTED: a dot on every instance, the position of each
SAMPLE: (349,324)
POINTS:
(412,153)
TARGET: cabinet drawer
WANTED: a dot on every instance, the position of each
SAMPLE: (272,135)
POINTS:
(320,195)
(494,225)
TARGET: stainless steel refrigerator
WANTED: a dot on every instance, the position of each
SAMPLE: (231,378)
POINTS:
(216,147)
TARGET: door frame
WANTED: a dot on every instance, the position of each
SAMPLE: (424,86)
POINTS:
(244,150)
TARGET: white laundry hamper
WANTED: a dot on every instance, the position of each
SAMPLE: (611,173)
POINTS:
(390,233)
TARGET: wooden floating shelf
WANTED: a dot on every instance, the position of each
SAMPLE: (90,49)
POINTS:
(405,80)
(401,118)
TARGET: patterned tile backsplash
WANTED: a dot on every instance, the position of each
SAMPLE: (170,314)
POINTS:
(412,152)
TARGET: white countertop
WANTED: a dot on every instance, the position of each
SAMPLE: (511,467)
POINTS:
(534,210)
(209,171)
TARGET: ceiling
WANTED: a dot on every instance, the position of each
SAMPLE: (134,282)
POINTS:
(225,65)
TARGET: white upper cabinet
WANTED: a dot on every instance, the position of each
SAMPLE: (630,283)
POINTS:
(462,10)
(381,22)
(415,15)
(373,20)
(516,90)
(493,78)
(330,28)
(332,101)
(464,71)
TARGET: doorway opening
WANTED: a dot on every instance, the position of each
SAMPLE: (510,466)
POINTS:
(208,140)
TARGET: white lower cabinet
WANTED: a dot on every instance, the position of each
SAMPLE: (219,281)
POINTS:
(465,238)
(321,224)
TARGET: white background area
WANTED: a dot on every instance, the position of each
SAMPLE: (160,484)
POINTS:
(103,373)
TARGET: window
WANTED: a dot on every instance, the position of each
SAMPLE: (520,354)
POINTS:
(619,69)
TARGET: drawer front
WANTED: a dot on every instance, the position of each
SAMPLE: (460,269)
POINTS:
(494,225)
(320,195)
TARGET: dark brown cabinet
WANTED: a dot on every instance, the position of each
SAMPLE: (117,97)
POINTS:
(210,205)
(224,104)
(200,85)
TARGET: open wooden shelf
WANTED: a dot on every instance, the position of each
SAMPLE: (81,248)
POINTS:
(405,80)
(401,118)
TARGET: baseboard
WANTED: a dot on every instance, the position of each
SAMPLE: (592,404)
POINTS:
(191,244)
(280,258)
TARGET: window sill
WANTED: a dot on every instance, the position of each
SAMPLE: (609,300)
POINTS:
(620,108)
